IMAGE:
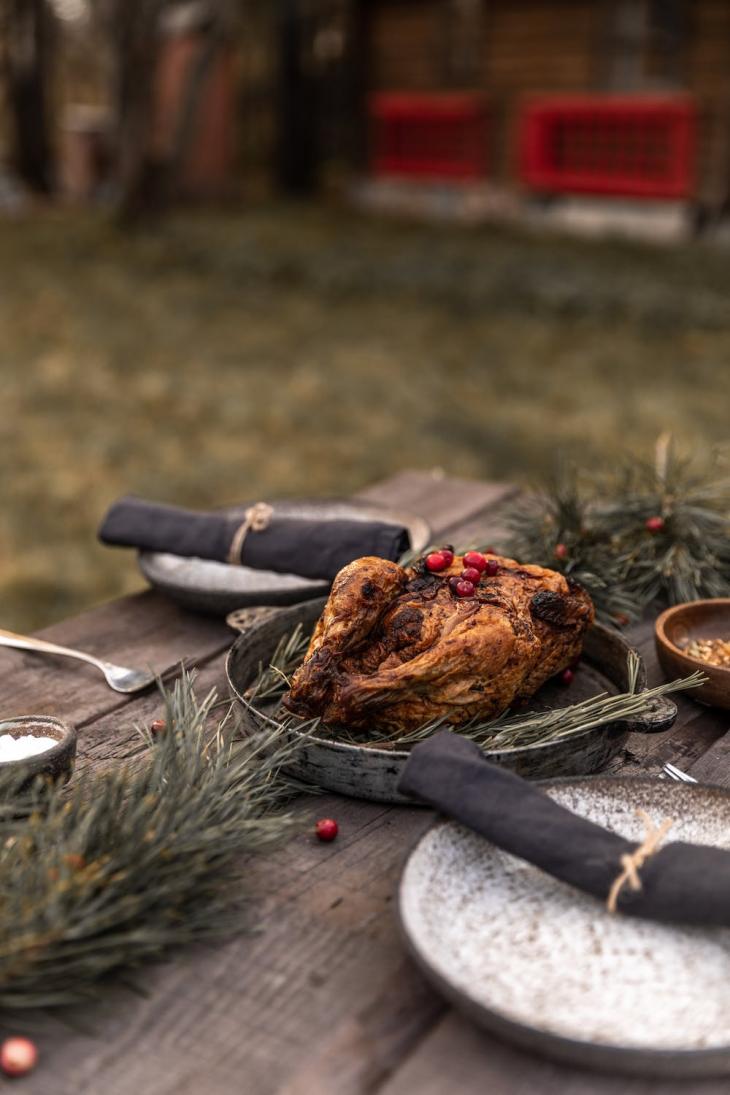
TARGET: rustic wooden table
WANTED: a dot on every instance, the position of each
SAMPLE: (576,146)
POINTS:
(322,999)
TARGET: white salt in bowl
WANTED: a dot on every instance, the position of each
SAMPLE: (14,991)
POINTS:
(40,746)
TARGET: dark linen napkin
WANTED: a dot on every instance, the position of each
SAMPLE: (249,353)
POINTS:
(288,545)
(680,882)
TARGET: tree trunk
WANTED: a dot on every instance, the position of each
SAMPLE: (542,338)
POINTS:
(28,32)
(146,177)
(135,43)
(297,136)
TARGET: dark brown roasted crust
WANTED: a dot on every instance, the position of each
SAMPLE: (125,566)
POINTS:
(396,648)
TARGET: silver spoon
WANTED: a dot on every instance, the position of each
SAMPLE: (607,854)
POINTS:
(117,676)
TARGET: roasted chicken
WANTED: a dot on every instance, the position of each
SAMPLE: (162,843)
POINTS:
(397,647)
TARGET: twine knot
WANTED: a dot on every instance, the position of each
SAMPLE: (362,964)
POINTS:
(256,519)
(633,863)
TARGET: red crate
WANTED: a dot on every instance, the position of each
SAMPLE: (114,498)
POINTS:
(428,136)
(630,147)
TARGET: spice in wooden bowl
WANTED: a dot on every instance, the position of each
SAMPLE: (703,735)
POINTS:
(712,651)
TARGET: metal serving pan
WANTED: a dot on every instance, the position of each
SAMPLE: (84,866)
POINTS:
(373,773)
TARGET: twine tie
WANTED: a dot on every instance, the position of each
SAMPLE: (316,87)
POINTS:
(256,519)
(633,863)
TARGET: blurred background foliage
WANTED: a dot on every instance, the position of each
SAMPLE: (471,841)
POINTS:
(272,347)
(291,350)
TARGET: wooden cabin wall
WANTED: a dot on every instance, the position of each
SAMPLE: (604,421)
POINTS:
(553,46)
(404,45)
(708,79)
(535,46)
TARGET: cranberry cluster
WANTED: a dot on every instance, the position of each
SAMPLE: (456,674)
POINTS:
(475,564)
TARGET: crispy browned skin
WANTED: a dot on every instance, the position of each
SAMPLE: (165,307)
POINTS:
(396,648)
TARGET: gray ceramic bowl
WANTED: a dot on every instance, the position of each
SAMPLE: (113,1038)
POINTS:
(56,762)
(217,589)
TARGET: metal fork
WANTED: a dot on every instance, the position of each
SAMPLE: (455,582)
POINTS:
(118,677)
(676,773)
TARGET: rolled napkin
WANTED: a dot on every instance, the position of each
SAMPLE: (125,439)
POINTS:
(260,539)
(687,883)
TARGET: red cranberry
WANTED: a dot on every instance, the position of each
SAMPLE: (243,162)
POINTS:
(326,828)
(436,561)
(470,574)
(654,524)
(464,589)
(453,583)
(561,551)
(475,559)
(448,555)
(18,1056)
(158,726)
(566,677)
(491,568)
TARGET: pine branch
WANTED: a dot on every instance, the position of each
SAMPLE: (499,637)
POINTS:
(122,866)
(594,529)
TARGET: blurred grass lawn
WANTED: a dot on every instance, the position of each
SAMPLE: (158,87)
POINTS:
(288,351)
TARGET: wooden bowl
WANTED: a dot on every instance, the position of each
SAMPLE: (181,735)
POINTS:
(55,763)
(677,627)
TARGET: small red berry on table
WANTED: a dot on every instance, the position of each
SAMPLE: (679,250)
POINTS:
(158,726)
(566,677)
(561,551)
(654,524)
(326,828)
(18,1056)
(491,568)
(436,561)
(475,559)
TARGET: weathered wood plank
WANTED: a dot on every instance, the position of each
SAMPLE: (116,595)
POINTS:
(713,766)
(321,998)
(327,949)
(367,1047)
(144,630)
(444,503)
(458,1057)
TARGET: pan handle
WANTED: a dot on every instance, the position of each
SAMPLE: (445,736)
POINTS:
(660,716)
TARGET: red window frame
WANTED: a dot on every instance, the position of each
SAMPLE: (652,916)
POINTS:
(624,146)
(437,136)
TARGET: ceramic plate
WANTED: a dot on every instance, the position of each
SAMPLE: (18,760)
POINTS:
(545,966)
(218,588)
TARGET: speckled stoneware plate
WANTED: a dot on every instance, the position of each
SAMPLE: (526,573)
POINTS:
(545,966)
(374,773)
(217,588)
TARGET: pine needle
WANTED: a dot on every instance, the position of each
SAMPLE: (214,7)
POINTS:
(503,733)
(120,866)
(601,521)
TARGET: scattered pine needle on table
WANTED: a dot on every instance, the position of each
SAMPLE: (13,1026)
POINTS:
(119,867)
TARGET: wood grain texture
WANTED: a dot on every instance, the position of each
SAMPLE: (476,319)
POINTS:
(142,631)
(458,1057)
(320,997)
